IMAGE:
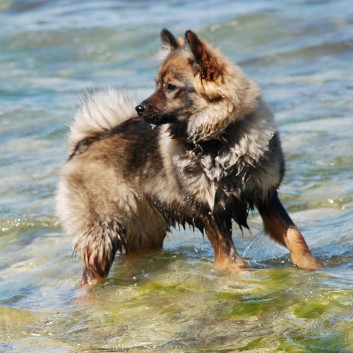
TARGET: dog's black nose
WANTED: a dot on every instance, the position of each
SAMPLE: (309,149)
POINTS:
(140,109)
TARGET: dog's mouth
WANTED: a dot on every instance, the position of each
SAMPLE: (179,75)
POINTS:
(153,117)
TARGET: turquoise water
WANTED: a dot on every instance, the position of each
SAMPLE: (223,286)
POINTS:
(301,53)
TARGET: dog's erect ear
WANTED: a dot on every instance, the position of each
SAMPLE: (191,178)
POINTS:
(195,44)
(206,62)
(168,40)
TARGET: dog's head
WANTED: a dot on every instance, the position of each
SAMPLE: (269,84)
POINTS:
(198,88)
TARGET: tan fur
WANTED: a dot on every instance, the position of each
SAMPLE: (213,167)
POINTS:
(214,155)
(233,96)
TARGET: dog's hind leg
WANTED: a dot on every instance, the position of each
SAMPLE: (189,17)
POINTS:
(98,246)
(226,256)
(279,226)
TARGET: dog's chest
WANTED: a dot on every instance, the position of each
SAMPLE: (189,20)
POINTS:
(205,173)
(200,176)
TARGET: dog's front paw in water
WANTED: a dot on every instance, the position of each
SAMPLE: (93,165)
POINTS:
(234,268)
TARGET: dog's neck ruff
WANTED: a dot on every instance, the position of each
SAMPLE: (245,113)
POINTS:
(210,146)
(239,148)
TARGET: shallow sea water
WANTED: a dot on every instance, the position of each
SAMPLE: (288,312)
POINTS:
(301,53)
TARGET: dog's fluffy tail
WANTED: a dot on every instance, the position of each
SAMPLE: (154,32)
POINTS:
(100,110)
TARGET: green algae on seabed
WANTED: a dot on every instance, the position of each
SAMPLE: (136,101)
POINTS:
(16,323)
(297,318)
(272,310)
(25,331)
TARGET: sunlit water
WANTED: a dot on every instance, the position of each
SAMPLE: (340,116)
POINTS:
(301,53)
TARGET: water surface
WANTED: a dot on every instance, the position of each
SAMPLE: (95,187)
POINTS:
(301,53)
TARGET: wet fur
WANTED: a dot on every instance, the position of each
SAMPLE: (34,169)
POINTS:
(214,154)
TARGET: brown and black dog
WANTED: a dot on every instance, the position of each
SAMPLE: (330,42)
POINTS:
(203,150)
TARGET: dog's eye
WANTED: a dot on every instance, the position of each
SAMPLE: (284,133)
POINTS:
(171,87)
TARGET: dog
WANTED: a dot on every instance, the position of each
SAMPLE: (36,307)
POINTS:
(203,150)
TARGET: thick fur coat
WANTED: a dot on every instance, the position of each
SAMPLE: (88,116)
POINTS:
(214,154)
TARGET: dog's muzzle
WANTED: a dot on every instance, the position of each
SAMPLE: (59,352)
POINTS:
(140,109)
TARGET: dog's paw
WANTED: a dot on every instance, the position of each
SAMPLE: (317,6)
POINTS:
(307,262)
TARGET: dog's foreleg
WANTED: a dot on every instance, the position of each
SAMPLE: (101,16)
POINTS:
(279,226)
(226,256)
